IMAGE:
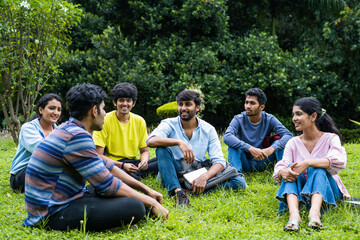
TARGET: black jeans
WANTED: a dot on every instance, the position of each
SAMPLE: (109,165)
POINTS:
(17,181)
(151,170)
(101,213)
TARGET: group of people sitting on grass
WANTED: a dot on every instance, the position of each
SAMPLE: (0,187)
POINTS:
(53,164)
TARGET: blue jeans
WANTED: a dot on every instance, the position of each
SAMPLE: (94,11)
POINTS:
(169,168)
(319,181)
(244,161)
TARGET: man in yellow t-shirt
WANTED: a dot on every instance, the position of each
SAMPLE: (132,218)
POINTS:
(124,134)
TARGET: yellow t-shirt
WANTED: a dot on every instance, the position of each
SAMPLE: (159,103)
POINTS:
(121,140)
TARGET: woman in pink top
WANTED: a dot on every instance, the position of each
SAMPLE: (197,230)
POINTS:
(309,169)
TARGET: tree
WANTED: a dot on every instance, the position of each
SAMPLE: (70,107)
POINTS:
(33,39)
(342,52)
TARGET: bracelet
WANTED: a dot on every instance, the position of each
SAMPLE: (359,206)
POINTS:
(122,166)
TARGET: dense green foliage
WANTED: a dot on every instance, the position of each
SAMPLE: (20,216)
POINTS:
(224,47)
(290,49)
(350,135)
(342,36)
(251,214)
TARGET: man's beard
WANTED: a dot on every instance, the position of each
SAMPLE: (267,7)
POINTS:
(189,117)
(253,113)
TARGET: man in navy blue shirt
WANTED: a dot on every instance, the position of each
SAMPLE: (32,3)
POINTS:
(247,131)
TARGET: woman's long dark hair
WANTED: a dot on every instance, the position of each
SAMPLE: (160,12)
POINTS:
(323,120)
(44,100)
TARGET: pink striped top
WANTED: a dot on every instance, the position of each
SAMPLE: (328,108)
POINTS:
(328,146)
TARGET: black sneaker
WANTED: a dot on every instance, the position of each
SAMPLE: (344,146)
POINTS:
(181,199)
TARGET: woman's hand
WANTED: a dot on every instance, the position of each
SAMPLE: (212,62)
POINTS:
(301,167)
(288,174)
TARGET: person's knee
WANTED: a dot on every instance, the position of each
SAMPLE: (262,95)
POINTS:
(160,150)
(231,150)
(237,151)
(238,183)
(137,208)
(279,153)
(162,153)
(236,155)
(312,170)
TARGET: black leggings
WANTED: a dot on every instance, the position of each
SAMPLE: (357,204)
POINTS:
(17,181)
(101,213)
(151,170)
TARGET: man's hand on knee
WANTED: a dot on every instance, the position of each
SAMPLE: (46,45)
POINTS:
(257,153)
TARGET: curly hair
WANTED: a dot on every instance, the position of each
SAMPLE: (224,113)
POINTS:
(124,90)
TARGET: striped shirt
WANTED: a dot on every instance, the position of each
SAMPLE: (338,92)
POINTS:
(59,168)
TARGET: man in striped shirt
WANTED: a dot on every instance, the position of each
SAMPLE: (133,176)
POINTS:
(55,192)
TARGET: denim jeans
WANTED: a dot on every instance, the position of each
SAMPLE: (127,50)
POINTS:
(244,161)
(169,168)
(319,181)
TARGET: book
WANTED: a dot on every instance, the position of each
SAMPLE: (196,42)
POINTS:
(191,176)
(353,201)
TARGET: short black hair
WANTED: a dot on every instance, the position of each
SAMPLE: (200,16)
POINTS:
(188,95)
(257,92)
(124,90)
(81,98)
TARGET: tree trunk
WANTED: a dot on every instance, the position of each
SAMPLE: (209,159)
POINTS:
(13,131)
(15,127)
(273,26)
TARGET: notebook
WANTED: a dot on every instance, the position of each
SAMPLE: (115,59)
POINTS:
(191,176)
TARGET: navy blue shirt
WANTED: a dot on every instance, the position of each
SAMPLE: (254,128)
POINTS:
(243,134)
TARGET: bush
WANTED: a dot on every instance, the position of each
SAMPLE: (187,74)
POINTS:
(167,110)
(171,52)
(350,135)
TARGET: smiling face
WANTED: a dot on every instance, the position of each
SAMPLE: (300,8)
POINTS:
(301,119)
(252,106)
(124,105)
(187,110)
(51,112)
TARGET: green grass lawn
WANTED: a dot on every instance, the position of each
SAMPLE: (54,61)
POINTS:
(250,214)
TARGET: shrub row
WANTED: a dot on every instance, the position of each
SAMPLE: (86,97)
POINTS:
(350,135)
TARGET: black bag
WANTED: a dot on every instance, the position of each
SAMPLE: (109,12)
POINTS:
(220,177)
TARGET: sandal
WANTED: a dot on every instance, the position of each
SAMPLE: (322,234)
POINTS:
(315,223)
(289,227)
